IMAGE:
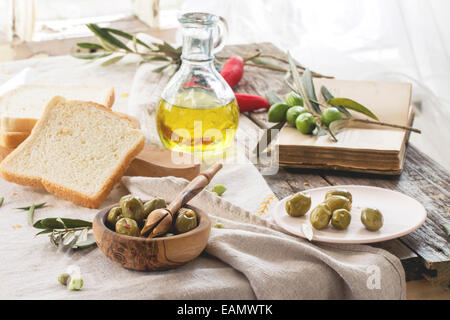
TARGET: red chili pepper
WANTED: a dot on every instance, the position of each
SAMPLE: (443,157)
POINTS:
(233,70)
(248,102)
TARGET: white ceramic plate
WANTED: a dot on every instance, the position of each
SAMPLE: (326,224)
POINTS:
(402,215)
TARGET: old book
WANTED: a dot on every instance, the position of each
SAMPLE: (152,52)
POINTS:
(360,147)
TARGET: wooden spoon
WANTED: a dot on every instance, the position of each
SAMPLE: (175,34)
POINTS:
(159,221)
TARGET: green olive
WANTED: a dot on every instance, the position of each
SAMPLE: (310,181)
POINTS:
(128,227)
(320,217)
(341,219)
(113,216)
(305,123)
(219,189)
(330,115)
(154,204)
(339,192)
(298,204)
(338,202)
(293,99)
(186,220)
(132,207)
(293,113)
(372,218)
(277,112)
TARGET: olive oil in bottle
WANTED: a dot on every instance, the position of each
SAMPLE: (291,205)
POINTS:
(197,122)
(197,111)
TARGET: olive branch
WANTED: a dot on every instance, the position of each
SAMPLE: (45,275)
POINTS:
(110,41)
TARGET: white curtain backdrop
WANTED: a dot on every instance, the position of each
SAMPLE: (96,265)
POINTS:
(399,40)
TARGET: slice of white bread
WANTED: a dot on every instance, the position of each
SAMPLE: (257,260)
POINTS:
(12,139)
(78,150)
(22,107)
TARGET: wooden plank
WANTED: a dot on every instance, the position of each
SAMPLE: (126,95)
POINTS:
(412,263)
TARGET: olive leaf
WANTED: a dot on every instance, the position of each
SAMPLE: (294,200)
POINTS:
(59,220)
(308,85)
(353,105)
(338,125)
(156,58)
(92,56)
(326,93)
(169,50)
(83,235)
(88,45)
(298,86)
(267,64)
(75,238)
(31,215)
(66,232)
(328,96)
(135,43)
(296,77)
(272,97)
(127,36)
(61,223)
(36,206)
(111,61)
(68,238)
(84,244)
(44,232)
(160,69)
(1,201)
(107,37)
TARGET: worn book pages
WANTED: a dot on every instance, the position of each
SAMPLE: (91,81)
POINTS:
(385,145)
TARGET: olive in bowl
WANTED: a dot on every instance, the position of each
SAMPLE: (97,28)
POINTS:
(132,207)
(127,227)
(185,221)
(148,254)
(114,215)
(154,204)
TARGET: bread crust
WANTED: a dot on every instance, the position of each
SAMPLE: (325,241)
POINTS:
(63,192)
(12,139)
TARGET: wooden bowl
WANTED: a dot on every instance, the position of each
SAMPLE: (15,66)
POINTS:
(149,254)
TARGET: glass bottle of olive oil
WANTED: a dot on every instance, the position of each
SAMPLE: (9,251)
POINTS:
(197,111)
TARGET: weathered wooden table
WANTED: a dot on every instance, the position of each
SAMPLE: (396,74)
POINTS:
(425,253)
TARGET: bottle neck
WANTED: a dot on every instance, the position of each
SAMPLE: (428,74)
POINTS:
(197,44)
